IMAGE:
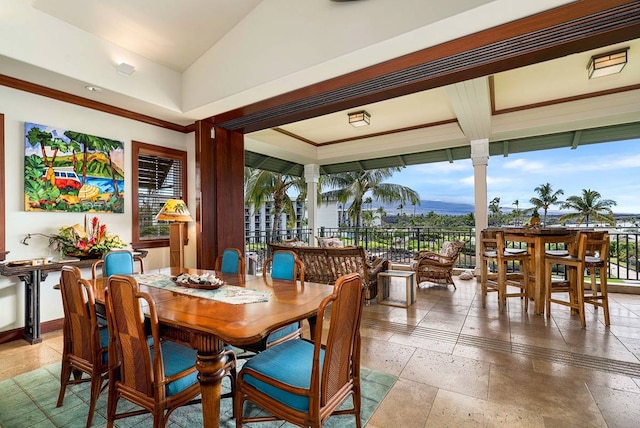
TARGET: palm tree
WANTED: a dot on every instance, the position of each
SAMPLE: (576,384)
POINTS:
(494,210)
(546,198)
(262,186)
(354,186)
(588,206)
(516,212)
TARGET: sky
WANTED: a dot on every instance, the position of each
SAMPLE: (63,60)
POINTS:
(612,169)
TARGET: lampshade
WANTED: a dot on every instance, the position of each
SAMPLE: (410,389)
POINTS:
(608,63)
(174,210)
(359,118)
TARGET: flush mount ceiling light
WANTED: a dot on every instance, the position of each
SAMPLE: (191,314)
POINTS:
(125,69)
(93,88)
(607,63)
(359,118)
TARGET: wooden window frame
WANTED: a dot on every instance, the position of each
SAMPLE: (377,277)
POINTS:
(139,148)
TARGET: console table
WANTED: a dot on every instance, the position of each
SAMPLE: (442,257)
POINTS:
(32,276)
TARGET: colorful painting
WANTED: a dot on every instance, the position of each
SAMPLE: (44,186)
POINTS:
(72,172)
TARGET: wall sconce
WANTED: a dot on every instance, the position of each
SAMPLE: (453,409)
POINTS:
(359,118)
(608,63)
(176,212)
(125,69)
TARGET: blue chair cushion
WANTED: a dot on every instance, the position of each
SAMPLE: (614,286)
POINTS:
(289,362)
(284,331)
(230,262)
(118,263)
(104,342)
(178,358)
(283,266)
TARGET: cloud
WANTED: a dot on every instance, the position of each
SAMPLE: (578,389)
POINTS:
(526,165)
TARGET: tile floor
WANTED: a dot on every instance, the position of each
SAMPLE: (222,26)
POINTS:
(463,365)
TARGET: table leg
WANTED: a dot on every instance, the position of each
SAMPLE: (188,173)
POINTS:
(539,275)
(32,305)
(210,364)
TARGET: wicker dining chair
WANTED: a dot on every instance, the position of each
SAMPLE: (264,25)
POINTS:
(85,343)
(285,265)
(305,382)
(230,261)
(158,376)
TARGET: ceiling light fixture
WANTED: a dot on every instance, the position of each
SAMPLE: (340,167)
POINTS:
(125,69)
(359,118)
(607,63)
(93,88)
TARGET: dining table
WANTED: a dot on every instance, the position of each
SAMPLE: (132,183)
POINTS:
(537,240)
(207,325)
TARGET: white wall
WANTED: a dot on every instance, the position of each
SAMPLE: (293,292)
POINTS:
(20,107)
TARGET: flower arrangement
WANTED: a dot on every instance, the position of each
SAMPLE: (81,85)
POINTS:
(89,241)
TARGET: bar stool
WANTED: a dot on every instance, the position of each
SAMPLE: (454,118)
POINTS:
(494,251)
(589,254)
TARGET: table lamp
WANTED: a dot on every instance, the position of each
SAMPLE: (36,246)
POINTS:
(176,212)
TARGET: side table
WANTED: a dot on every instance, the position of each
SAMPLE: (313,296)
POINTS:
(384,295)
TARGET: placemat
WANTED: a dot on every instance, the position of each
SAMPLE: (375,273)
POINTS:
(226,294)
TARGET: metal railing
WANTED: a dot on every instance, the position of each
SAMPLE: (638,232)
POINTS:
(399,245)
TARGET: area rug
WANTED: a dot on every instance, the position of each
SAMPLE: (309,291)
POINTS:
(29,400)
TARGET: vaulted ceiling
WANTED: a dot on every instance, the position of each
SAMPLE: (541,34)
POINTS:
(433,75)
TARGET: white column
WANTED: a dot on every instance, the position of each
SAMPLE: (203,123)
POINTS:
(480,159)
(311,175)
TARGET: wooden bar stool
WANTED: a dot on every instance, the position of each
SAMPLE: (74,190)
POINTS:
(589,254)
(493,251)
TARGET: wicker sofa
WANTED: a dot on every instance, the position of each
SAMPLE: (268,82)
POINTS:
(325,265)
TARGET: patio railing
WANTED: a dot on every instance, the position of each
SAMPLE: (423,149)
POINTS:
(399,245)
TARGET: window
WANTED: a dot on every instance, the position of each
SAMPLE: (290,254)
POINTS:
(160,174)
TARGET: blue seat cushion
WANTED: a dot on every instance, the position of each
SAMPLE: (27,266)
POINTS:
(283,266)
(229,262)
(118,263)
(289,362)
(178,358)
(103,332)
(284,331)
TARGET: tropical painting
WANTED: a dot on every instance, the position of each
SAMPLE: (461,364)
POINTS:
(71,171)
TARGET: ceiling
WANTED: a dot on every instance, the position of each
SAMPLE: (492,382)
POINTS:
(205,58)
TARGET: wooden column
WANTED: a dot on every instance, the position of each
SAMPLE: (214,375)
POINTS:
(219,192)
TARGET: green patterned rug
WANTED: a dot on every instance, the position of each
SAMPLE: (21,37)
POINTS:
(29,400)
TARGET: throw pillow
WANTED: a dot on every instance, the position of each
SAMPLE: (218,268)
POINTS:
(331,242)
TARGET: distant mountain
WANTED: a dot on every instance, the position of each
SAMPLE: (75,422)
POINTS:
(426,206)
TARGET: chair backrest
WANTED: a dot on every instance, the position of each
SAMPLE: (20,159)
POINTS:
(80,329)
(139,365)
(342,348)
(451,248)
(593,247)
(117,262)
(286,265)
(231,261)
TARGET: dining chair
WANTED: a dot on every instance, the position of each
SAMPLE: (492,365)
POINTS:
(117,262)
(511,269)
(230,261)
(305,382)
(590,253)
(285,265)
(85,343)
(157,375)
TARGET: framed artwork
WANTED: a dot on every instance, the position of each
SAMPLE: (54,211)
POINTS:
(72,172)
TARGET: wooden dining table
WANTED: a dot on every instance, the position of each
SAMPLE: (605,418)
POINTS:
(207,325)
(537,240)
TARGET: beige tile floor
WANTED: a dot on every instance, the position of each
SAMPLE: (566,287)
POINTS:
(463,365)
